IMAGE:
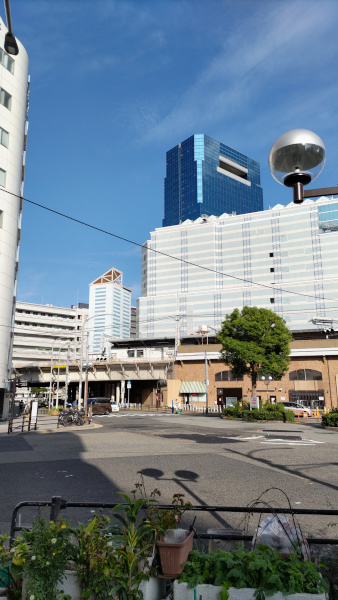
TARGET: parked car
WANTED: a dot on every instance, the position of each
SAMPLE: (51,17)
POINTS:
(297,408)
(102,406)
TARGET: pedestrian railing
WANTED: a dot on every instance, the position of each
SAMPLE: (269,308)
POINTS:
(57,504)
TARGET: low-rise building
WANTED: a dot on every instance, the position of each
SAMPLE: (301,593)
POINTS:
(160,376)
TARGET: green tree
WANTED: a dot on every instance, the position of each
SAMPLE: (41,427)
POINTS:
(255,342)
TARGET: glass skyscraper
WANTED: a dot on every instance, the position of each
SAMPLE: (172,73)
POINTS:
(204,176)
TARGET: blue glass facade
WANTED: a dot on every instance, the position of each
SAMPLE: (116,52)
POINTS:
(328,217)
(198,182)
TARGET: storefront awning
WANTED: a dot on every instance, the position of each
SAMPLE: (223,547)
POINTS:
(193,387)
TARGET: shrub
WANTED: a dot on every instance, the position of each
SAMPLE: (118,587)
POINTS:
(233,412)
(269,413)
(262,568)
(330,419)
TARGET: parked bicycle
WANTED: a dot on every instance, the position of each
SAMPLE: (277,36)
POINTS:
(71,416)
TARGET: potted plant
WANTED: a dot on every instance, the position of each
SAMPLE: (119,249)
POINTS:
(173,544)
(250,574)
(40,556)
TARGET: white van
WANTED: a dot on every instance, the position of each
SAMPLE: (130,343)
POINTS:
(297,408)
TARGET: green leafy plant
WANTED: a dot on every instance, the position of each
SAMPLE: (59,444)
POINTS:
(262,568)
(133,542)
(95,559)
(40,556)
(160,519)
(255,341)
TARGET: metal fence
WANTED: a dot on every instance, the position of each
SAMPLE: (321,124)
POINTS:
(57,504)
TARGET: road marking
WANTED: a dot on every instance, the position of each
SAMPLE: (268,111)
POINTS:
(134,415)
(294,443)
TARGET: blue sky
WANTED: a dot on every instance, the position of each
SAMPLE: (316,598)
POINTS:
(116,83)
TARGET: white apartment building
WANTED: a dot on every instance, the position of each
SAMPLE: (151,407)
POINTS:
(283,259)
(109,311)
(42,331)
(14,91)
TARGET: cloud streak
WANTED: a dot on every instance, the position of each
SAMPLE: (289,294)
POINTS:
(268,49)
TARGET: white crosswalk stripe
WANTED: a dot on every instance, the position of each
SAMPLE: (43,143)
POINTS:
(140,414)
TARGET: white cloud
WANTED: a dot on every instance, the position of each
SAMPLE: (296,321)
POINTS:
(264,51)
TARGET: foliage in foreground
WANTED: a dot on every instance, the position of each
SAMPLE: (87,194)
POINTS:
(262,568)
(268,412)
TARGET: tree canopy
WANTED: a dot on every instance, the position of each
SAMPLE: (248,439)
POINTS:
(255,342)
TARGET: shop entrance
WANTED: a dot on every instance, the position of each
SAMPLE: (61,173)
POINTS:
(232,394)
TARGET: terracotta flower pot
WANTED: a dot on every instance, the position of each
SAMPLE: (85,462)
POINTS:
(174,555)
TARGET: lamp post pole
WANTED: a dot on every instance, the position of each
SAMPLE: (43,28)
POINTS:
(81,362)
(51,369)
(206,380)
(204,330)
(67,375)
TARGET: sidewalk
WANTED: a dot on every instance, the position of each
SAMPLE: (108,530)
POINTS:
(45,424)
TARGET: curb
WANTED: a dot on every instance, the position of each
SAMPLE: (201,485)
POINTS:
(63,429)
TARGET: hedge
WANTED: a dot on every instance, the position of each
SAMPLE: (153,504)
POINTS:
(330,419)
(268,412)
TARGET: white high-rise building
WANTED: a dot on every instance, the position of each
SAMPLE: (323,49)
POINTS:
(14,91)
(43,330)
(258,259)
(109,310)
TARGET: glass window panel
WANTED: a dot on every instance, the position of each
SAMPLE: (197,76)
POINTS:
(5,99)
(293,375)
(2,177)
(4,137)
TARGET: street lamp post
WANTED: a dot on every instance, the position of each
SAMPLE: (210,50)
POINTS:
(267,380)
(51,369)
(204,330)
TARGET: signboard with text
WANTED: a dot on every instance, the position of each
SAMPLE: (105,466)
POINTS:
(254,402)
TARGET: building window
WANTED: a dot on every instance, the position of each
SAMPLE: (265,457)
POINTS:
(305,375)
(8,62)
(130,353)
(139,353)
(272,270)
(272,300)
(2,178)
(271,254)
(5,99)
(226,376)
(4,135)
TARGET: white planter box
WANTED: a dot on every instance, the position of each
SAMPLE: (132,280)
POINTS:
(154,589)
(211,592)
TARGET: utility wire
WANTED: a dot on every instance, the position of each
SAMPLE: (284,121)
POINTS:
(187,262)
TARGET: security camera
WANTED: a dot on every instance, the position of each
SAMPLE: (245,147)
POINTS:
(296,159)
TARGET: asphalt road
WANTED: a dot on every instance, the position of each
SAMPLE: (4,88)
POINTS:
(212,461)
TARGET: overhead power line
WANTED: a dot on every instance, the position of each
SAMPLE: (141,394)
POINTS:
(181,260)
